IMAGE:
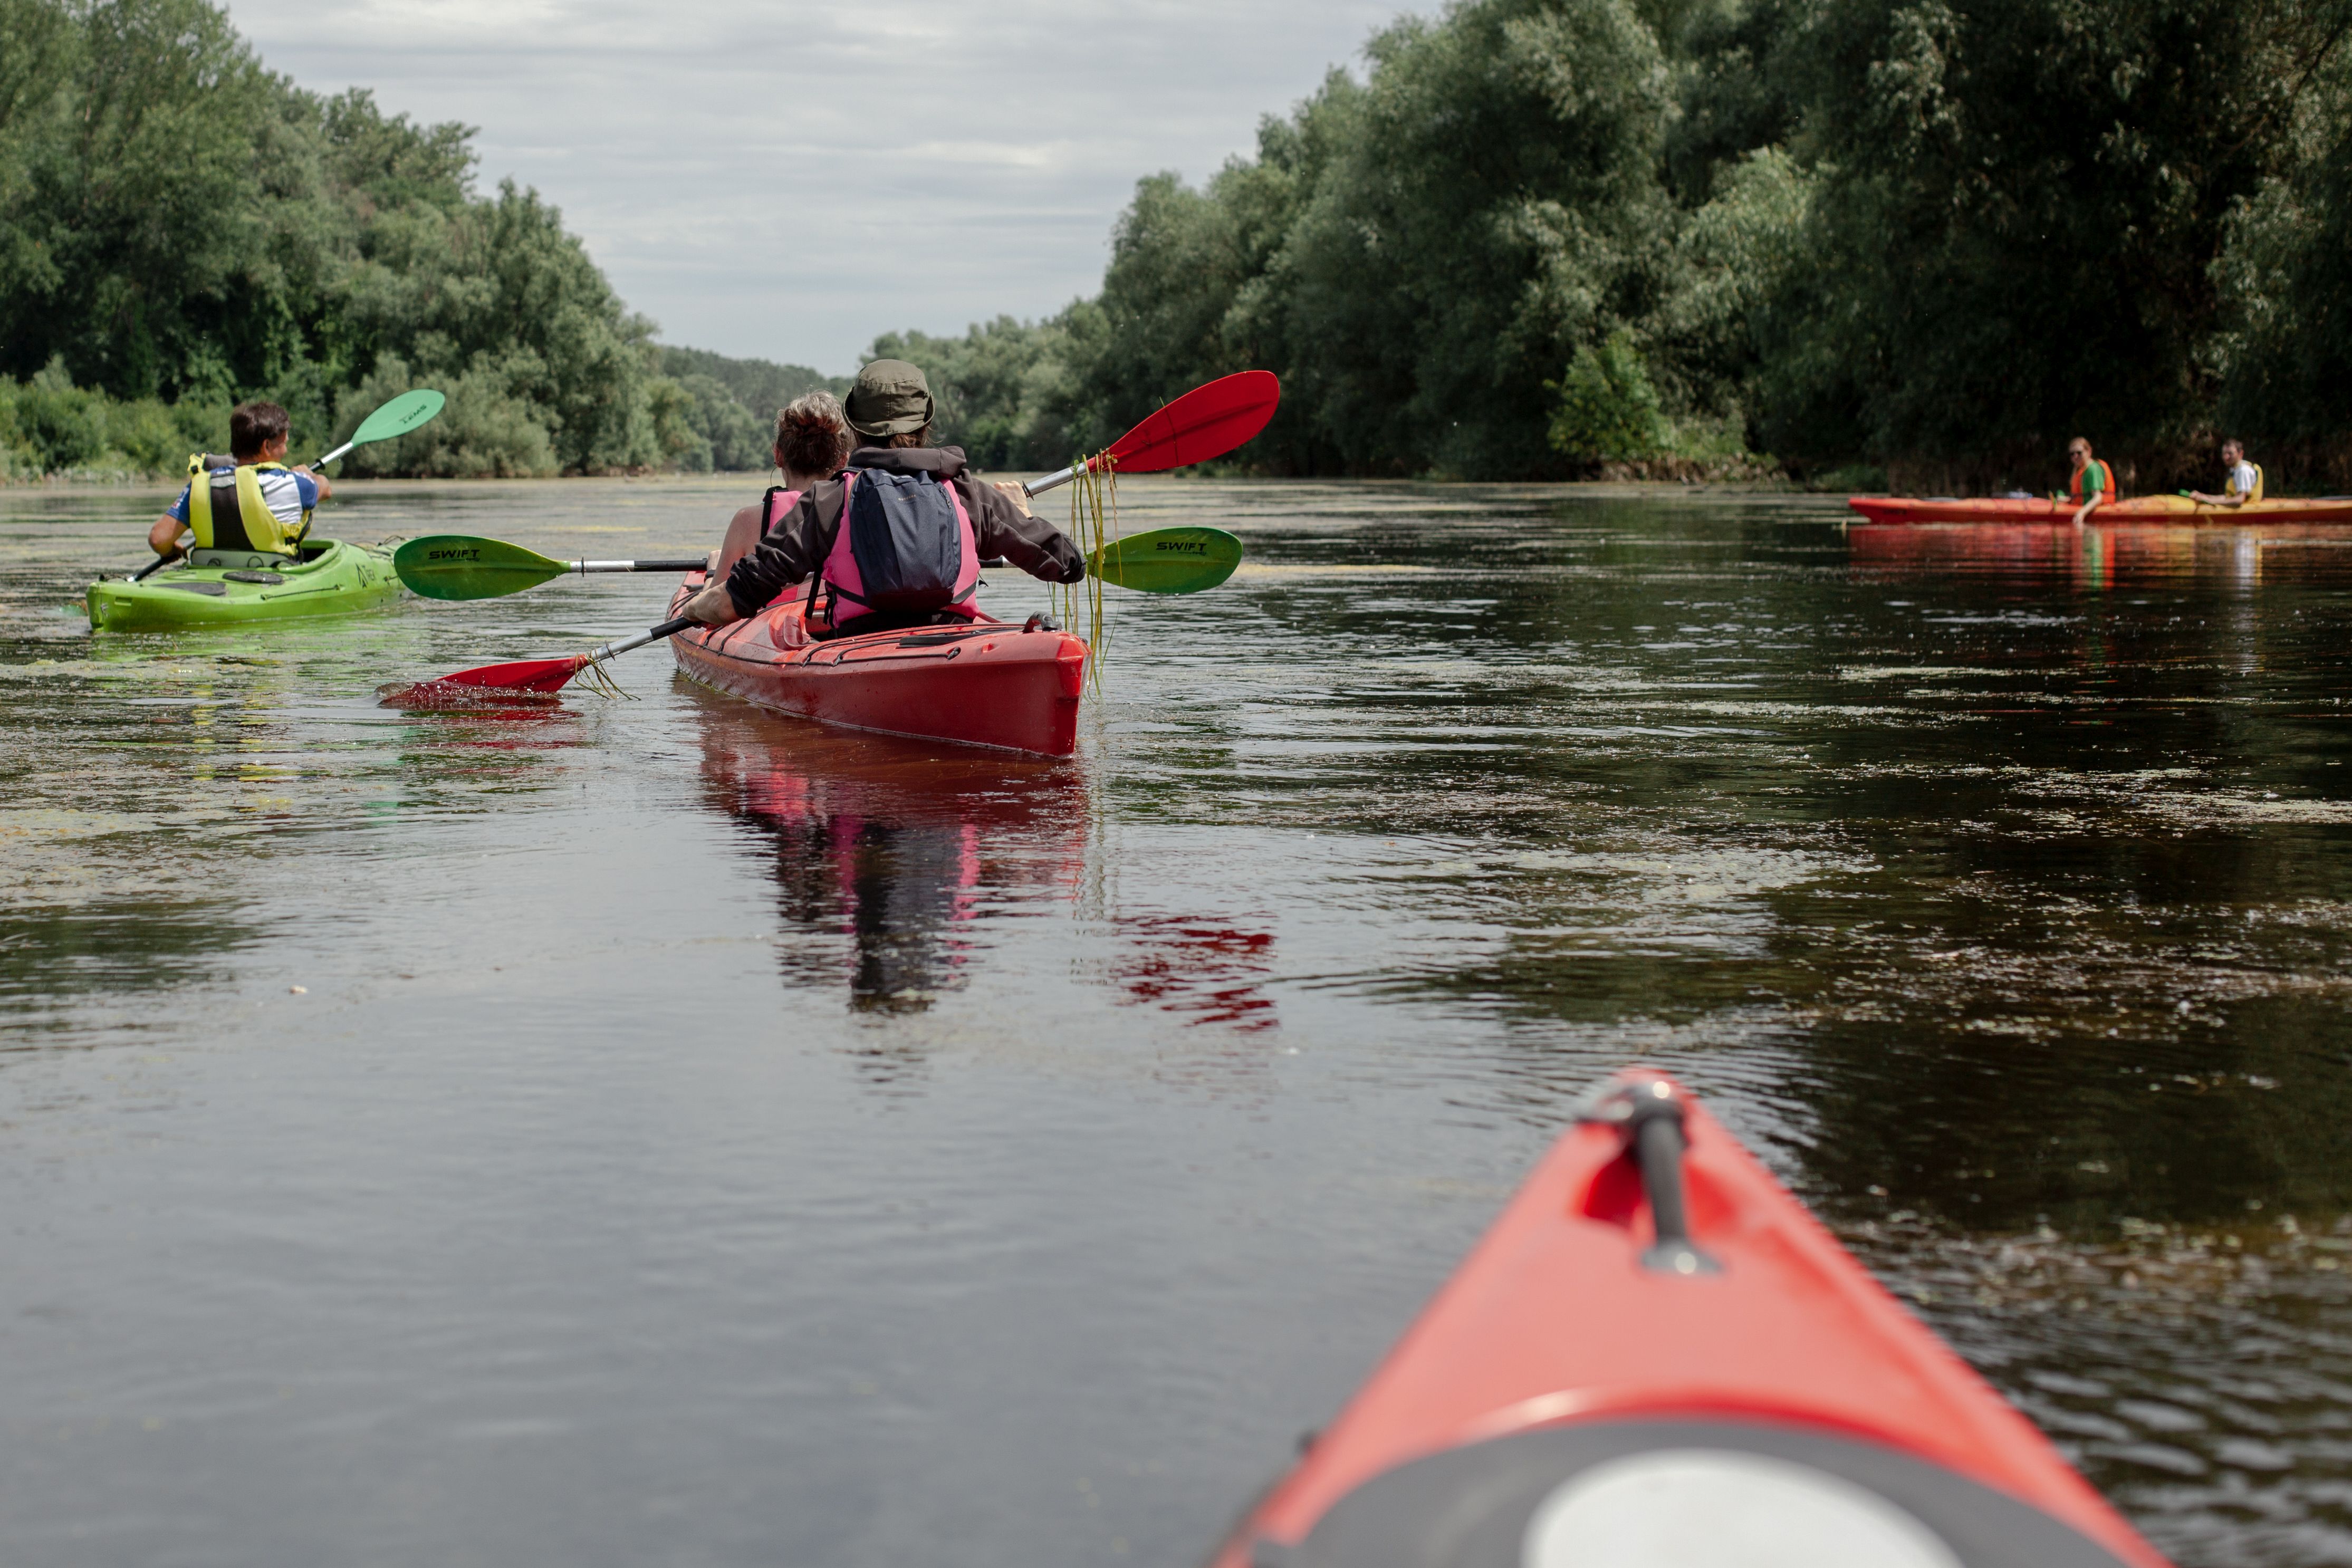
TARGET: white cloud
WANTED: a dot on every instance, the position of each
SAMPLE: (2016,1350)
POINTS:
(785,178)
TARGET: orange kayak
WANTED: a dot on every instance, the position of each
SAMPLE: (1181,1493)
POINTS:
(2172,510)
(991,683)
(1657,1357)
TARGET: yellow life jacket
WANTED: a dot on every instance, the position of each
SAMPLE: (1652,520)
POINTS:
(248,523)
(2256,494)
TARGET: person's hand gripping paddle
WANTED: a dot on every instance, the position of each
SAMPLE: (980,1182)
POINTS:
(396,418)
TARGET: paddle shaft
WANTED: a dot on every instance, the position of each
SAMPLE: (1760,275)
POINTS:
(1055,480)
(584,567)
(666,628)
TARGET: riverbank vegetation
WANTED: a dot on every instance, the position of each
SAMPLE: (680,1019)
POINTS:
(181,228)
(1879,240)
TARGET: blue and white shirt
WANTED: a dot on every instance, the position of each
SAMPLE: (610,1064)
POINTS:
(287,493)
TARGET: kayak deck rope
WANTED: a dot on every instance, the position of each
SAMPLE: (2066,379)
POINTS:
(1094,527)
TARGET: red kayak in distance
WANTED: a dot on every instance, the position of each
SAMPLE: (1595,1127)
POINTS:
(1656,1358)
(2172,510)
(989,683)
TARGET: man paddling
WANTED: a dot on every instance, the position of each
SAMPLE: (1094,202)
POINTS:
(2092,482)
(2240,481)
(258,505)
(919,525)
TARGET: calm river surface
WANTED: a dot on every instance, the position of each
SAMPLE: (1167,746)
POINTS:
(702,1139)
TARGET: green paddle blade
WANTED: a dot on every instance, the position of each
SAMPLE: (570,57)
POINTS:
(452,566)
(1170,560)
(398,417)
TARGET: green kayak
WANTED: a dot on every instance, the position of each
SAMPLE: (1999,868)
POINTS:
(218,588)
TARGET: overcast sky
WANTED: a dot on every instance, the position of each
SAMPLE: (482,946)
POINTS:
(785,179)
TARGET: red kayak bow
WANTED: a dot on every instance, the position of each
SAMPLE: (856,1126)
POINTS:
(1657,1358)
(1207,421)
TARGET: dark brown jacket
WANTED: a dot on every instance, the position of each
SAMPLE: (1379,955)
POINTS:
(803,537)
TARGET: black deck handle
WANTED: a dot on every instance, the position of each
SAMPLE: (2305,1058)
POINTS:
(1648,1114)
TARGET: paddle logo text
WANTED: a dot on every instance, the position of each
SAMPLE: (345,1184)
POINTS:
(438,554)
(1180,546)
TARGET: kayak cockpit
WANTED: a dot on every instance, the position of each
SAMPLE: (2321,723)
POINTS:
(1673,1493)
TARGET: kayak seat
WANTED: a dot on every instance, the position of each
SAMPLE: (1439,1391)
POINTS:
(1696,1490)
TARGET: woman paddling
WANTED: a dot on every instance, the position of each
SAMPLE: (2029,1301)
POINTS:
(812,444)
(919,526)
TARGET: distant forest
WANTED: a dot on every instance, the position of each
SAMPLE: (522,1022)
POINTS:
(1858,241)
(181,229)
(1881,240)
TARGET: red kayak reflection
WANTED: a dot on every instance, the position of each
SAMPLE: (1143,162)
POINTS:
(892,857)
(1204,971)
(900,847)
(2098,555)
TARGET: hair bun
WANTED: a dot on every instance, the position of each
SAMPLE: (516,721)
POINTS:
(813,433)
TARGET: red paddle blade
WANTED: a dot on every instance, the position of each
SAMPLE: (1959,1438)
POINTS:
(1207,421)
(524,675)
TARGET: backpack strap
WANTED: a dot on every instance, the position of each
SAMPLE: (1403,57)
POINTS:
(817,573)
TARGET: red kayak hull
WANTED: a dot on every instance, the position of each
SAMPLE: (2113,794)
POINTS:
(989,683)
(1553,1322)
(2169,509)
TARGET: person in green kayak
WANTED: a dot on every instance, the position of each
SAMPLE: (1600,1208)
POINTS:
(255,505)
(2092,483)
(2240,481)
(896,537)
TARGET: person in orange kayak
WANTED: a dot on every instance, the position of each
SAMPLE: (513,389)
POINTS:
(2092,482)
(2240,481)
(812,443)
(896,537)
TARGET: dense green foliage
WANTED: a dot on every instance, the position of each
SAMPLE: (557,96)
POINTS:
(181,228)
(733,404)
(1533,237)
(1542,235)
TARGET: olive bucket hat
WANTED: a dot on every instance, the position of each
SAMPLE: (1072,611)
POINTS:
(891,398)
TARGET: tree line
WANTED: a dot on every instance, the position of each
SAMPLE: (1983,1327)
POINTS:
(182,228)
(1863,241)
(1923,241)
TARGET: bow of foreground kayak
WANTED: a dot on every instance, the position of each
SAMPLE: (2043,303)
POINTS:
(333,578)
(2172,510)
(989,683)
(1657,1359)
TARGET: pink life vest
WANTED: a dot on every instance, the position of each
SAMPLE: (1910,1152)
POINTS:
(740,542)
(840,573)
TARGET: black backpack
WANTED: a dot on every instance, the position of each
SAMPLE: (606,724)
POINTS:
(908,544)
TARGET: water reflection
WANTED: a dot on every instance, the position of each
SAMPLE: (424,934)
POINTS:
(890,856)
(1998,881)
(2095,558)
(1203,971)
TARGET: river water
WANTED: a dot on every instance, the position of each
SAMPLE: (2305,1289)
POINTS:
(655,1132)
